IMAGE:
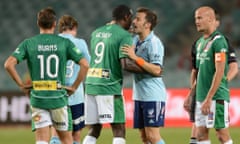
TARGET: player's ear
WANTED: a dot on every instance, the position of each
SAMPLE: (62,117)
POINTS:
(127,17)
(55,24)
(147,24)
(37,23)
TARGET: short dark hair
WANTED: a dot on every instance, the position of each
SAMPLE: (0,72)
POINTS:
(67,22)
(121,11)
(46,18)
(151,16)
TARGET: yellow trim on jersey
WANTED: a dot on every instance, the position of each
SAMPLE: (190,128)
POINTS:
(98,72)
(45,85)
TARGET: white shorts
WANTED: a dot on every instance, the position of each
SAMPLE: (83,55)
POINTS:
(60,118)
(102,109)
(218,117)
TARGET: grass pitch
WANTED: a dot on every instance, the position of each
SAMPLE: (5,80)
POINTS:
(23,135)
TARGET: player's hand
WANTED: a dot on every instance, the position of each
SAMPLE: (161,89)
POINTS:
(186,103)
(70,90)
(26,89)
(189,99)
(129,51)
(206,106)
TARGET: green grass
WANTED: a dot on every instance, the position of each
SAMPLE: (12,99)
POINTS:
(23,135)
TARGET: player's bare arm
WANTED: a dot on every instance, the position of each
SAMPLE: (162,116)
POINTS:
(232,71)
(152,69)
(130,65)
(9,65)
(192,91)
(81,76)
(220,66)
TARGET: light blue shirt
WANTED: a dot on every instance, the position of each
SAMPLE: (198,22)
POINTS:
(145,86)
(73,69)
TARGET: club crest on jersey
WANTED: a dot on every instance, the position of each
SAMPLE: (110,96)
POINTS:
(17,51)
(207,47)
(36,118)
(77,50)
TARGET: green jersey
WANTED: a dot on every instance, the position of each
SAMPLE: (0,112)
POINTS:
(46,56)
(105,74)
(205,62)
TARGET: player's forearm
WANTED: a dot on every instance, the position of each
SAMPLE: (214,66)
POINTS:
(10,68)
(193,78)
(153,69)
(130,66)
(82,73)
(217,78)
(233,70)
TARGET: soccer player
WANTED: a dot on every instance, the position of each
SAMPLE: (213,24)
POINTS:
(190,105)
(46,55)
(212,93)
(104,102)
(149,92)
(67,27)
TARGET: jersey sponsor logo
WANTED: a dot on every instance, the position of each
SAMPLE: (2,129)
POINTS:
(220,57)
(45,85)
(99,73)
(60,123)
(105,116)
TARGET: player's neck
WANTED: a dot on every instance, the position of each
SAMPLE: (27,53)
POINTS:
(209,32)
(144,34)
(47,31)
(71,32)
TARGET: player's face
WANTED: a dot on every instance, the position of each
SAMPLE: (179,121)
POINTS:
(128,22)
(201,21)
(205,20)
(139,23)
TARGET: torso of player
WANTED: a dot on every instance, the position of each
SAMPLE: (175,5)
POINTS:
(205,62)
(105,73)
(147,87)
(46,56)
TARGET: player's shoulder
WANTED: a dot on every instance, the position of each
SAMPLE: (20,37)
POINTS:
(112,30)
(80,40)
(218,36)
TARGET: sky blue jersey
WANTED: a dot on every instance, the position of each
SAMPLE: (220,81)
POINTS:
(145,86)
(73,69)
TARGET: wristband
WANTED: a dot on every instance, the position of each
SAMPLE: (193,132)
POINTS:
(140,61)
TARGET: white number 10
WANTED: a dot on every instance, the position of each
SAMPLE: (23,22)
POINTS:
(48,65)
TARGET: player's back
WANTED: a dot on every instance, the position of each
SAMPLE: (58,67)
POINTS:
(47,56)
(105,67)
